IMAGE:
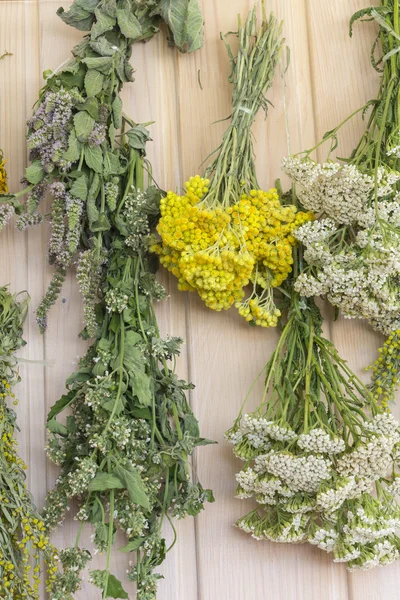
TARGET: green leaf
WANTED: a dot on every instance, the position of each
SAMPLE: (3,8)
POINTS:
(117,112)
(94,158)
(110,7)
(62,403)
(91,105)
(141,385)
(74,148)
(55,427)
(132,545)
(116,406)
(34,173)
(112,166)
(79,188)
(93,82)
(70,79)
(128,23)
(114,588)
(88,5)
(84,124)
(106,481)
(80,376)
(101,224)
(94,188)
(135,486)
(138,137)
(103,23)
(100,63)
(103,47)
(191,425)
(77,17)
(185,22)
(101,532)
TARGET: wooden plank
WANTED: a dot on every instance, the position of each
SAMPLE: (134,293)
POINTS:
(225,354)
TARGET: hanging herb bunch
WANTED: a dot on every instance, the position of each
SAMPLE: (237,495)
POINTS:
(225,232)
(125,448)
(352,250)
(23,538)
(321,455)
(72,135)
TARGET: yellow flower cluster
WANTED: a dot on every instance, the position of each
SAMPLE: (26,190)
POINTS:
(219,250)
(3,176)
(385,370)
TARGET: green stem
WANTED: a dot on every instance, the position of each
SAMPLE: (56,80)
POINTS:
(109,543)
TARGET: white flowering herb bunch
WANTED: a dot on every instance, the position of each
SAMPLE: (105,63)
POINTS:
(125,448)
(320,457)
(352,251)
(74,133)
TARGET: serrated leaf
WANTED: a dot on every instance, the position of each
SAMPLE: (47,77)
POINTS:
(138,136)
(103,47)
(185,22)
(93,82)
(91,105)
(101,224)
(112,166)
(74,148)
(128,23)
(34,173)
(141,385)
(135,486)
(79,188)
(84,124)
(117,112)
(77,17)
(62,403)
(94,158)
(88,5)
(110,7)
(55,427)
(100,63)
(105,481)
(103,23)
(94,188)
(191,425)
(132,545)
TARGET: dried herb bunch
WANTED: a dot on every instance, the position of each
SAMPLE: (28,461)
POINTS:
(352,250)
(224,232)
(73,133)
(321,457)
(23,538)
(124,450)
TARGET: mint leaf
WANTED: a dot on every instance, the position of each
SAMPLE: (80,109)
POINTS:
(34,173)
(79,188)
(93,82)
(135,486)
(128,23)
(84,124)
(105,481)
(94,158)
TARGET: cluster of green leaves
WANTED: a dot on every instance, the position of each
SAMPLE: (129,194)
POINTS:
(95,75)
(130,415)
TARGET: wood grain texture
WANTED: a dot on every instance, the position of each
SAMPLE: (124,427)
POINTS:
(330,75)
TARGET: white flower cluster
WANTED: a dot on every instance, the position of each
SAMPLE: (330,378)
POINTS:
(314,487)
(353,251)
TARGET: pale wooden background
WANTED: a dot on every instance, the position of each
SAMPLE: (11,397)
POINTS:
(330,76)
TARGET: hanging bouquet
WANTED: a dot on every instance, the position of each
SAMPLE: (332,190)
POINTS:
(124,450)
(224,232)
(352,250)
(320,453)
(24,541)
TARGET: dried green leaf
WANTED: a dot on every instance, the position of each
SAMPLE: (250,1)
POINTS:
(103,23)
(91,106)
(94,158)
(117,112)
(79,188)
(112,165)
(128,23)
(74,148)
(34,173)
(185,22)
(84,124)
(135,486)
(106,481)
(100,63)
(93,82)
(77,17)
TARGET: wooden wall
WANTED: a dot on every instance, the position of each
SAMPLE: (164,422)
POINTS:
(330,75)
